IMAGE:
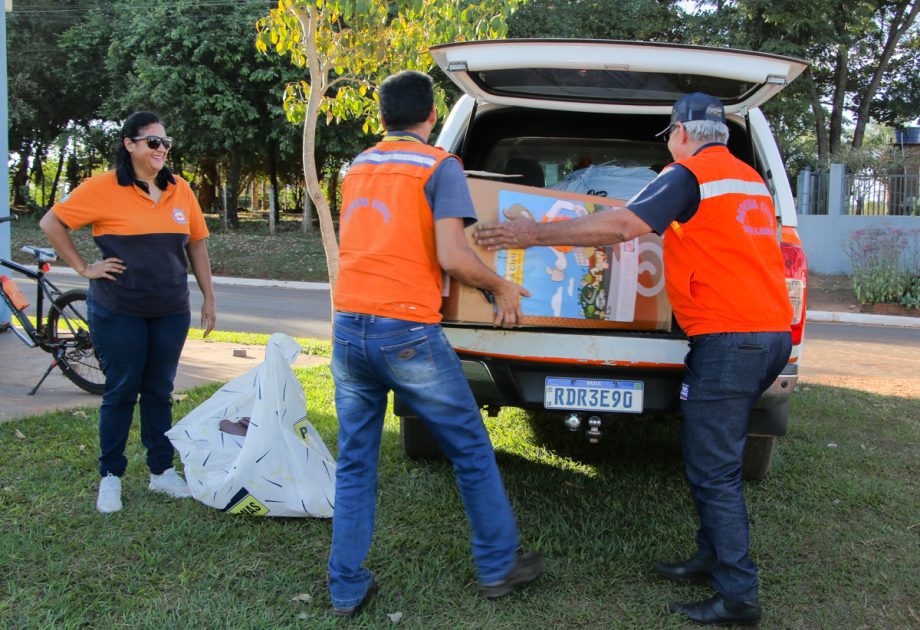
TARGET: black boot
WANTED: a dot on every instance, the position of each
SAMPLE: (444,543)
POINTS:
(697,569)
(719,611)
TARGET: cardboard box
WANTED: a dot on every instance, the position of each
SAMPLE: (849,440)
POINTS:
(614,287)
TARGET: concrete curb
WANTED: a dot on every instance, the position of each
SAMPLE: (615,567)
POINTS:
(862,318)
(811,316)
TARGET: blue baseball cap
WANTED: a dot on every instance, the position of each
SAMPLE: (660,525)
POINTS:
(695,106)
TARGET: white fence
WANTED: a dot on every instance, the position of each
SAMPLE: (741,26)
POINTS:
(831,206)
(839,193)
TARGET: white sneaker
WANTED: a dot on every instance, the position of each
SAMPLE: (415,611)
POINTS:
(109,499)
(169,482)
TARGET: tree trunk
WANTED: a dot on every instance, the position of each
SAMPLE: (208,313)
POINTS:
(233,189)
(38,171)
(315,191)
(60,167)
(820,120)
(72,170)
(297,196)
(273,178)
(899,26)
(318,85)
(840,90)
(310,210)
(21,177)
(332,190)
(312,189)
(206,195)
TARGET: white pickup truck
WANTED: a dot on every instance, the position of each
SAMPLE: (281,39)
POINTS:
(536,108)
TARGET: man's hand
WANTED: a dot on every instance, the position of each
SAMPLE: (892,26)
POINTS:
(514,234)
(508,304)
(110,269)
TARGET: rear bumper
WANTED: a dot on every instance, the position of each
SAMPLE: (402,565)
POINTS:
(504,382)
(781,390)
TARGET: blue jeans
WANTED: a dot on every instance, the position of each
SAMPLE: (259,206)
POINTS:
(139,356)
(370,356)
(726,374)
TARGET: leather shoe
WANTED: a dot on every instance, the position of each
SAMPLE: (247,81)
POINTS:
(527,567)
(718,611)
(351,611)
(697,570)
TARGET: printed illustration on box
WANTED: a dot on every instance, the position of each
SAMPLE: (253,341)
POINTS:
(249,448)
(595,283)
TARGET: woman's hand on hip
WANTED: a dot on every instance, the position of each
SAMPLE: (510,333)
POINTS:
(109,269)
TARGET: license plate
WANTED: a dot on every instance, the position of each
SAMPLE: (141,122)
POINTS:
(583,394)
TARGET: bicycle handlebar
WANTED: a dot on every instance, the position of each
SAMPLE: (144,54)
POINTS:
(12,217)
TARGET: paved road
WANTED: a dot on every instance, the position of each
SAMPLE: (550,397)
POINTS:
(295,312)
(880,359)
(884,359)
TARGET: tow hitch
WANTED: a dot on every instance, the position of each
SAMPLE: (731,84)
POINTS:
(575,422)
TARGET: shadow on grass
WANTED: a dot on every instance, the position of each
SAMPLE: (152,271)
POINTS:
(628,443)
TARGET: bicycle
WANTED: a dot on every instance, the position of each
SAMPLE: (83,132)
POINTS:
(65,333)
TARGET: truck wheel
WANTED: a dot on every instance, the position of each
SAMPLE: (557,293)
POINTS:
(758,456)
(417,441)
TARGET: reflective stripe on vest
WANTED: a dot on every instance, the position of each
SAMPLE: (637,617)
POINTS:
(402,157)
(732,186)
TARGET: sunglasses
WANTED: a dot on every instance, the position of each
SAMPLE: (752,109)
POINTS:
(666,134)
(154,142)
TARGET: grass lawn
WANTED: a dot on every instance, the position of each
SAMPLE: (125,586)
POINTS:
(248,252)
(835,529)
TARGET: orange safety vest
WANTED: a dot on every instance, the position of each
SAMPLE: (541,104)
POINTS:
(388,261)
(725,271)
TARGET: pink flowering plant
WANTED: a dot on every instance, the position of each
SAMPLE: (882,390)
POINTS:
(886,265)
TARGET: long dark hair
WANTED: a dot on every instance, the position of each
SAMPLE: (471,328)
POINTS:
(132,127)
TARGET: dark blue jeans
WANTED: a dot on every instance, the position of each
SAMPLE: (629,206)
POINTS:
(726,374)
(139,356)
(370,356)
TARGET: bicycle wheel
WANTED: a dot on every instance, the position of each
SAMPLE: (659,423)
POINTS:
(68,326)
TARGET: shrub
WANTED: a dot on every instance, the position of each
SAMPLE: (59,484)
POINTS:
(911,297)
(886,265)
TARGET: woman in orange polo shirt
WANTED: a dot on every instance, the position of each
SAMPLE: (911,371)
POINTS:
(149,227)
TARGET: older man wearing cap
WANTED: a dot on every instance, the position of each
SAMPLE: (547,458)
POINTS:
(725,279)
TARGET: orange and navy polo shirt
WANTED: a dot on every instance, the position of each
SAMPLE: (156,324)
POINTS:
(149,237)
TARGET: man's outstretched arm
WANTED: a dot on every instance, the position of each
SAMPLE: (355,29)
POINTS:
(605,227)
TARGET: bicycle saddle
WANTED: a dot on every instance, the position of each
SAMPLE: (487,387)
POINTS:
(43,254)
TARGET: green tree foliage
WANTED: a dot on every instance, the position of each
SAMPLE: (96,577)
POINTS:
(79,67)
(194,63)
(863,55)
(644,20)
(345,47)
(48,92)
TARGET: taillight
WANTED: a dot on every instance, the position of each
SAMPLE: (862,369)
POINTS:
(46,267)
(797,285)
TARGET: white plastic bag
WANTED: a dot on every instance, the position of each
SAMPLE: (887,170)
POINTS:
(280,467)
